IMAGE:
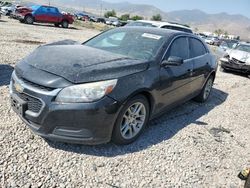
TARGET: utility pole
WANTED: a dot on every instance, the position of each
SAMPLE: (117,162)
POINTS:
(101,9)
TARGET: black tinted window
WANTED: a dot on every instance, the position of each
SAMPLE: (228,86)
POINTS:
(196,48)
(179,48)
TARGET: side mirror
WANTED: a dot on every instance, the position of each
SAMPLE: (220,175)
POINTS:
(172,61)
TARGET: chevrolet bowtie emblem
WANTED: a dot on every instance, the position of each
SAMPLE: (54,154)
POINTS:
(18,88)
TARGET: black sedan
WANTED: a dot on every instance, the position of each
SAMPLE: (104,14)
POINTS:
(109,87)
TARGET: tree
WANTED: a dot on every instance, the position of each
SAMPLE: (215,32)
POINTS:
(136,17)
(156,17)
(219,32)
(111,13)
(125,17)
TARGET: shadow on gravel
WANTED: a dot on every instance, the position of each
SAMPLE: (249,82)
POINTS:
(236,73)
(159,130)
(5,74)
(49,25)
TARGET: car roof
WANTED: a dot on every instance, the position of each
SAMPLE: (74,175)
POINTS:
(161,24)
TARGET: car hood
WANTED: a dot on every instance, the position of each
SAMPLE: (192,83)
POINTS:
(240,55)
(79,64)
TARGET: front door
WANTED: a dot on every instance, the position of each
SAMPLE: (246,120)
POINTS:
(41,14)
(175,80)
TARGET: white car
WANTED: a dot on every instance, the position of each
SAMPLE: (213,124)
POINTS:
(159,24)
(7,10)
(111,20)
(237,59)
(209,40)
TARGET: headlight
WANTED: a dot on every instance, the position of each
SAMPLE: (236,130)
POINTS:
(89,92)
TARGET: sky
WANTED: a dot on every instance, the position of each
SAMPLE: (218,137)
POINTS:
(208,6)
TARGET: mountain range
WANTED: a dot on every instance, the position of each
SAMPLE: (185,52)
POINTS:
(233,24)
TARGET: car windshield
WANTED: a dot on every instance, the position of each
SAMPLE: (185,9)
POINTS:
(231,44)
(131,43)
(242,47)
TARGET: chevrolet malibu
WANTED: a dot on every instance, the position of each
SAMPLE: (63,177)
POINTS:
(109,87)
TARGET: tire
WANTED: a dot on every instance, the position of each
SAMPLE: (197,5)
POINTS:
(206,90)
(29,19)
(129,125)
(65,24)
(57,24)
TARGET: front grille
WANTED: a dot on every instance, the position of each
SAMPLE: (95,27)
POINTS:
(237,61)
(33,104)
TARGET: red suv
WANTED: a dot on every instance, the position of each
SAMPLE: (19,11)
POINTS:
(46,14)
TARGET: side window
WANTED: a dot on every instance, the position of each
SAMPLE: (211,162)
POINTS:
(179,48)
(42,10)
(53,10)
(196,48)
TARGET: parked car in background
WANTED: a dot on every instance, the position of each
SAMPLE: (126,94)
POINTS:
(82,16)
(46,14)
(18,11)
(101,20)
(165,25)
(212,40)
(4,4)
(227,44)
(237,59)
(111,20)
(7,10)
(109,87)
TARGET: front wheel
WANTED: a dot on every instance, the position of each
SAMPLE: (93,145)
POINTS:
(206,90)
(131,121)
(65,24)
(29,19)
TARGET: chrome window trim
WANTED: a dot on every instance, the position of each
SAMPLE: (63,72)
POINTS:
(187,37)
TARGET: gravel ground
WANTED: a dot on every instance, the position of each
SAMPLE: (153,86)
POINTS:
(194,145)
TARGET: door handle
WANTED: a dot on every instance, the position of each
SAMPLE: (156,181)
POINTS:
(190,70)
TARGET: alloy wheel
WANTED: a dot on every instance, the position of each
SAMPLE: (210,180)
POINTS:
(133,120)
(208,88)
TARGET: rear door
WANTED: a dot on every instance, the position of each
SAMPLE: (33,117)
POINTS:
(175,80)
(200,57)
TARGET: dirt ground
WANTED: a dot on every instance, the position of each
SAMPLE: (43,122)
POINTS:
(194,145)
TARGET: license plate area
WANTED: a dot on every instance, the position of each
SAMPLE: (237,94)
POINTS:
(18,105)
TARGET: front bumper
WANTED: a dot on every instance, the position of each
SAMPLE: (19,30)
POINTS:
(80,123)
(238,67)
